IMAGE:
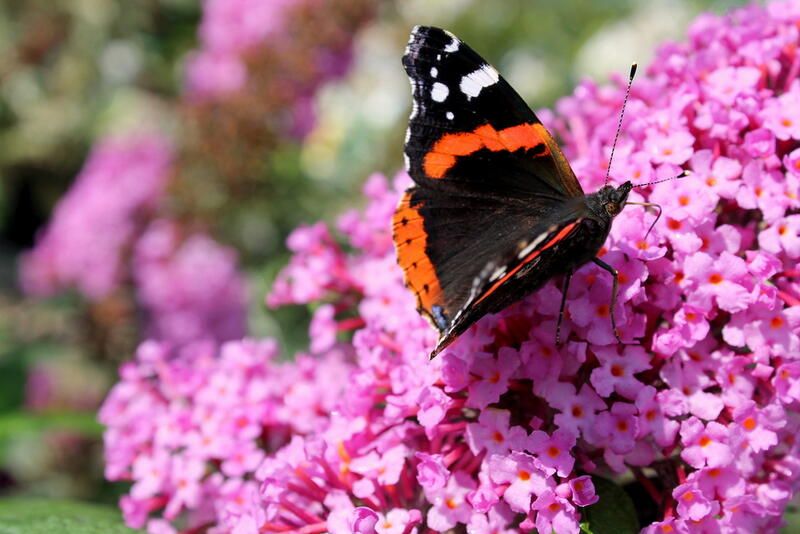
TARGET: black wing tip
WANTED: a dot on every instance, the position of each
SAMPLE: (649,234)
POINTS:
(431,37)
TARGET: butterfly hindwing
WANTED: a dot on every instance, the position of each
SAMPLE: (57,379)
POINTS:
(471,131)
(442,247)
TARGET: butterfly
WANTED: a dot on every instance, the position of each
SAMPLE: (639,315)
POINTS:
(495,210)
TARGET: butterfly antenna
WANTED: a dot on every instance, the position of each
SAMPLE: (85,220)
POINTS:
(619,124)
(683,174)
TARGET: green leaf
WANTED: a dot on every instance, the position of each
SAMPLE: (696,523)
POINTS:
(614,513)
(792,518)
(14,424)
(45,516)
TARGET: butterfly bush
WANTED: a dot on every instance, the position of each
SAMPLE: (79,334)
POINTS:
(84,245)
(504,430)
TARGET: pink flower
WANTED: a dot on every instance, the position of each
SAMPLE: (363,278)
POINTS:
(728,83)
(692,504)
(525,476)
(449,504)
(432,474)
(583,493)
(491,377)
(618,370)
(577,412)
(705,445)
(619,427)
(555,514)
(554,451)
(674,147)
(782,235)
(723,280)
(652,419)
(780,114)
(493,434)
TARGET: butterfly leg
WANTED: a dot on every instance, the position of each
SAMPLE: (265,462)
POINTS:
(603,265)
(564,288)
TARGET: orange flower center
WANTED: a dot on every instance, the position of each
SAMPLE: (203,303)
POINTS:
(705,441)
(673,224)
(749,424)
(617,370)
(523,475)
(498,437)
(776,322)
(715,278)
(553,451)
(683,200)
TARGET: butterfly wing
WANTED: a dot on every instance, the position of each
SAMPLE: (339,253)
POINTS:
(489,180)
(470,132)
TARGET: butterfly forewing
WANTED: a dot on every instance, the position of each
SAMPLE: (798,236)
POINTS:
(465,113)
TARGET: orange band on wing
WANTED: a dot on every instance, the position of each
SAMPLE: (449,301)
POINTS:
(411,241)
(530,257)
(444,152)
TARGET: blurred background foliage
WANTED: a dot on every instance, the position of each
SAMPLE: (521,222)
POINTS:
(251,165)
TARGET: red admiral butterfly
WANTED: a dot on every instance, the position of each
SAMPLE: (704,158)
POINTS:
(496,210)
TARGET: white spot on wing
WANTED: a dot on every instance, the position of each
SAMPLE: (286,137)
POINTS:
(439,92)
(453,46)
(434,72)
(497,274)
(535,243)
(414,104)
(407,162)
(449,115)
(473,83)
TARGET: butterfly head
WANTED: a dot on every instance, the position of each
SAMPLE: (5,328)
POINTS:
(612,199)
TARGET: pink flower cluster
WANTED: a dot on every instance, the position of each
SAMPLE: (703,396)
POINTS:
(189,288)
(502,430)
(84,245)
(189,426)
(230,28)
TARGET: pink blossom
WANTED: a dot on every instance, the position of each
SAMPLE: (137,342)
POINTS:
(555,514)
(554,451)
(705,445)
(692,504)
(493,433)
(491,377)
(525,475)
(583,492)
(449,504)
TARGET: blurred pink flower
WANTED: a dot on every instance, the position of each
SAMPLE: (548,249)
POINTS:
(84,243)
(189,288)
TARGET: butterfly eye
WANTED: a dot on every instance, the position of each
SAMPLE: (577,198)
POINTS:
(612,208)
